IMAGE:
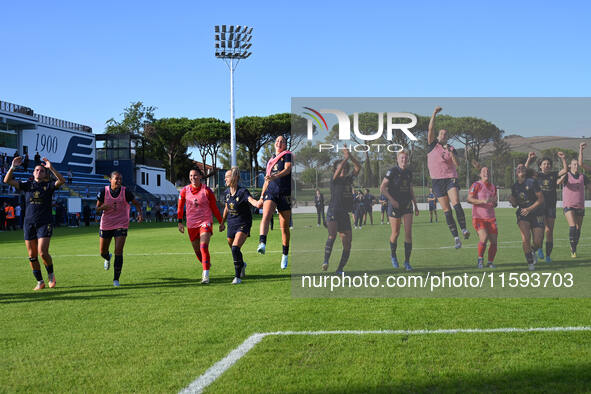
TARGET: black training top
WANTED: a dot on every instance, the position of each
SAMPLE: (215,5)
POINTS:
(341,195)
(38,197)
(548,186)
(281,186)
(525,192)
(238,206)
(399,184)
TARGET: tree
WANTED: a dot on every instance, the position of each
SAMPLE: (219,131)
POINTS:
(167,135)
(208,135)
(135,118)
(252,133)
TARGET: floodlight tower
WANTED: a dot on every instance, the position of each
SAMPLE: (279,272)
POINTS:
(232,43)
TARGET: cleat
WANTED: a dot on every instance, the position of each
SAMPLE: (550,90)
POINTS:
(540,254)
(480,262)
(283,261)
(261,248)
(458,243)
(548,259)
(205,278)
(573,255)
(491,265)
(466,234)
(236,281)
(324,266)
(395,262)
(531,267)
(40,286)
(51,281)
(107,263)
(116,283)
(337,272)
(243,271)
(407,266)
(535,256)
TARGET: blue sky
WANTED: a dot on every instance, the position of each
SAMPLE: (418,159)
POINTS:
(86,61)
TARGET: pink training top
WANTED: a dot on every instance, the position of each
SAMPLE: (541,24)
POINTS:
(200,203)
(118,215)
(440,163)
(483,191)
(573,193)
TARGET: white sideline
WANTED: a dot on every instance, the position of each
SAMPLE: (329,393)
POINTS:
(216,370)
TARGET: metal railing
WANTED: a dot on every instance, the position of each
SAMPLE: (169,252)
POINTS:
(46,120)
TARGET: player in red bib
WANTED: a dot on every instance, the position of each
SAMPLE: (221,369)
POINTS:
(483,197)
(199,203)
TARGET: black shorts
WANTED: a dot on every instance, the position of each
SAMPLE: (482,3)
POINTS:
(119,232)
(341,217)
(550,211)
(431,207)
(403,209)
(283,202)
(238,227)
(36,231)
(535,219)
(441,186)
(384,208)
(578,211)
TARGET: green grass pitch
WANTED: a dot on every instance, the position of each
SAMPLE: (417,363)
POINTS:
(162,329)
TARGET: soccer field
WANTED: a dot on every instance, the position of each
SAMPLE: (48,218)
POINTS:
(162,330)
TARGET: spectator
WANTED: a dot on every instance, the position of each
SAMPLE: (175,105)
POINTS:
(69,174)
(17,214)
(86,215)
(26,162)
(37,159)
(10,217)
(2,217)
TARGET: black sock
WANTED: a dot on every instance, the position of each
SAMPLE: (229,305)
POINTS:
(286,250)
(407,251)
(572,237)
(238,260)
(328,249)
(49,269)
(262,239)
(578,235)
(393,247)
(460,215)
(118,267)
(529,257)
(37,275)
(549,246)
(344,259)
(451,223)
(106,256)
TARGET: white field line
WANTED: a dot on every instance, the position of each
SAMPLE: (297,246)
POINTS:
(97,255)
(216,370)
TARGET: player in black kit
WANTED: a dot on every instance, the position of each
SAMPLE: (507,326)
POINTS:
(547,179)
(341,203)
(239,216)
(397,187)
(37,225)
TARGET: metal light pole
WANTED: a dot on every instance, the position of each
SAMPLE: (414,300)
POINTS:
(232,43)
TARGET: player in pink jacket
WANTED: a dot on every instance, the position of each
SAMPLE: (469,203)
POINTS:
(483,197)
(113,201)
(199,203)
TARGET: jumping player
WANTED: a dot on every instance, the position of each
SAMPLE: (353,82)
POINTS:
(276,194)
(239,216)
(547,179)
(37,224)
(199,203)
(527,196)
(442,163)
(341,203)
(397,187)
(114,203)
(483,197)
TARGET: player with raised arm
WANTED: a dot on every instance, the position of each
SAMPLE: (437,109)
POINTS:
(573,199)
(528,197)
(37,224)
(341,203)
(442,162)
(276,194)
(483,197)
(239,216)
(397,188)
(114,202)
(547,179)
(199,203)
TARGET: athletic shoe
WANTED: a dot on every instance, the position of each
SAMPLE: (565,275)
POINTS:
(531,267)
(480,262)
(466,234)
(107,263)
(283,261)
(491,265)
(540,254)
(339,272)
(535,256)
(458,243)
(204,278)
(116,283)
(324,266)
(261,248)
(573,255)
(395,262)
(317,225)
(407,266)
(243,272)
(51,281)
(40,286)
(548,259)
(236,281)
